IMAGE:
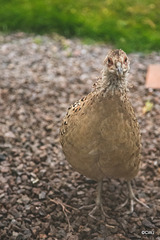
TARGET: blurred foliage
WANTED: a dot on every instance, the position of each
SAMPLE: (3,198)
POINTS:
(127,24)
(147,107)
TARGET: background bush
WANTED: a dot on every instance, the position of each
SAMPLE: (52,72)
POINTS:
(130,25)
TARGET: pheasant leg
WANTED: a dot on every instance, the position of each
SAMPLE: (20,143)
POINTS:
(98,201)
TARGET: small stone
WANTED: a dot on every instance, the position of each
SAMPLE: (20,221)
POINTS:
(147,223)
(2,157)
(20,237)
(14,234)
(15,213)
(114,230)
(43,236)
(25,198)
(4,169)
(9,135)
(79,193)
(18,180)
(49,127)
(24,178)
(36,191)
(42,195)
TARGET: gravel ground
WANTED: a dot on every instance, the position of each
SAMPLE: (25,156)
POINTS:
(40,194)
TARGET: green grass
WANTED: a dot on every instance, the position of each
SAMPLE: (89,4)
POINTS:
(127,24)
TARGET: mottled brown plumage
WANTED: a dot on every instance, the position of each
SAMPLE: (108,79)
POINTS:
(100,134)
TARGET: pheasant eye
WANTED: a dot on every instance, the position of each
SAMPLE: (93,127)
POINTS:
(110,62)
(125,60)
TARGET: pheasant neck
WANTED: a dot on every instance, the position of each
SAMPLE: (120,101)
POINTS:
(113,83)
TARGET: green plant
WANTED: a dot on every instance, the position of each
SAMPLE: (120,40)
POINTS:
(130,25)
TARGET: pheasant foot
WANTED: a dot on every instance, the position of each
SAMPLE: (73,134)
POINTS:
(98,205)
(132,198)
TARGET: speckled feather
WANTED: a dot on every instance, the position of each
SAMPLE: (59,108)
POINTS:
(100,134)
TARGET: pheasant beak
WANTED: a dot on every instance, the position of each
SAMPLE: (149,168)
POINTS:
(119,69)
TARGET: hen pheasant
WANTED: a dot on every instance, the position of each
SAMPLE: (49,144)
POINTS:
(100,135)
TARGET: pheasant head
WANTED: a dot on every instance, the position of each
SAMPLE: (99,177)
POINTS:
(115,71)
